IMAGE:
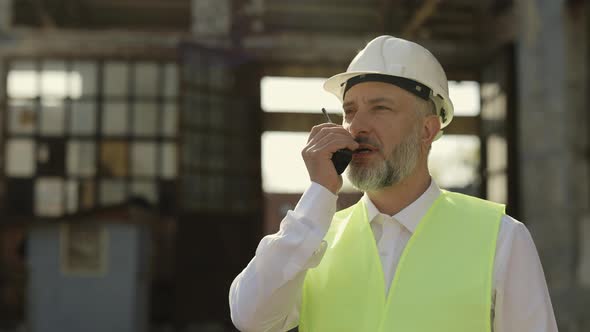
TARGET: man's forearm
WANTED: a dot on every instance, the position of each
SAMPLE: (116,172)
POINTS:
(266,295)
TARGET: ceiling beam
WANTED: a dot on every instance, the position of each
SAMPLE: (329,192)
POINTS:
(141,5)
(420,16)
(47,21)
(295,122)
(340,49)
(96,43)
(295,8)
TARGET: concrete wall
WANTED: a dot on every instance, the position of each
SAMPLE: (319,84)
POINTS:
(553,124)
(116,301)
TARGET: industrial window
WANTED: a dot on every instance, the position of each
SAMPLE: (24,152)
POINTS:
(220,135)
(81,134)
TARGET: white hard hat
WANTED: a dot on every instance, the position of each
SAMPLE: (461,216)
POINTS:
(400,62)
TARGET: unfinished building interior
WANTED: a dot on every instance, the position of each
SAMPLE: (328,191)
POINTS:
(130,177)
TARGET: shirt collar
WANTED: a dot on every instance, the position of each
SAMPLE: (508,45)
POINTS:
(411,215)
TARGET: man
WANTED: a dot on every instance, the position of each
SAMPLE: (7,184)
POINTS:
(408,256)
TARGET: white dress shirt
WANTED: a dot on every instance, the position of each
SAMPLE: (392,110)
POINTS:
(266,295)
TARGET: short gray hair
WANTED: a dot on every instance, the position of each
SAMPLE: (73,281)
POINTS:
(425,107)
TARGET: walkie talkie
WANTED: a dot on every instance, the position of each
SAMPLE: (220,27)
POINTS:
(342,157)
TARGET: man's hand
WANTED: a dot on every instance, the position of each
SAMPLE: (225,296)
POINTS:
(324,140)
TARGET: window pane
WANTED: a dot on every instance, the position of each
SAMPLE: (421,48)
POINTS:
(112,192)
(144,159)
(146,190)
(494,102)
(194,192)
(49,197)
(170,120)
(20,161)
(113,158)
(296,94)
(116,79)
(217,109)
(145,119)
(220,75)
(168,159)
(465,97)
(114,118)
(79,195)
(22,116)
(454,162)
(216,153)
(194,146)
(171,80)
(498,188)
(20,200)
(52,118)
(497,153)
(80,158)
(87,78)
(51,157)
(87,194)
(54,80)
(194,115)
(83,118)
(192,71)
(23,80)
(72,196)
(146,79)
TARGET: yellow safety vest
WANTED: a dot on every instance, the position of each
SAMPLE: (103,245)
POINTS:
(443,281)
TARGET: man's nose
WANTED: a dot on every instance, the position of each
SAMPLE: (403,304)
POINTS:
(358,125)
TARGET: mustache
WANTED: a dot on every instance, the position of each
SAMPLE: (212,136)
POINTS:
(366,140)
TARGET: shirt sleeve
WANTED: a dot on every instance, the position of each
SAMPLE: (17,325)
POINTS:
(522,301)
(266,295)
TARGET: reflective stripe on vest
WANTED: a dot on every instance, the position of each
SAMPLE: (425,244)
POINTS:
(443,281)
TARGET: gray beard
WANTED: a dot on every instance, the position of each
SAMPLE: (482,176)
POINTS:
(400,163)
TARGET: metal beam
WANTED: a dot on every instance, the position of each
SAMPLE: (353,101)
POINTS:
(303,122)
(141,5)
(47,21)
(301,47)
(420,16)
(295,121)
(295,8)
(96,43)
(301,69)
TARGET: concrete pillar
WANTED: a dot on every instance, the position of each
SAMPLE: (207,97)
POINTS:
(553,144)
(546,156)
(5,15)
(6,7)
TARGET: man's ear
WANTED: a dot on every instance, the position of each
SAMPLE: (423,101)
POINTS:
(430,129)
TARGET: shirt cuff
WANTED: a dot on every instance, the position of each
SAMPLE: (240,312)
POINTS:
(316,208)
